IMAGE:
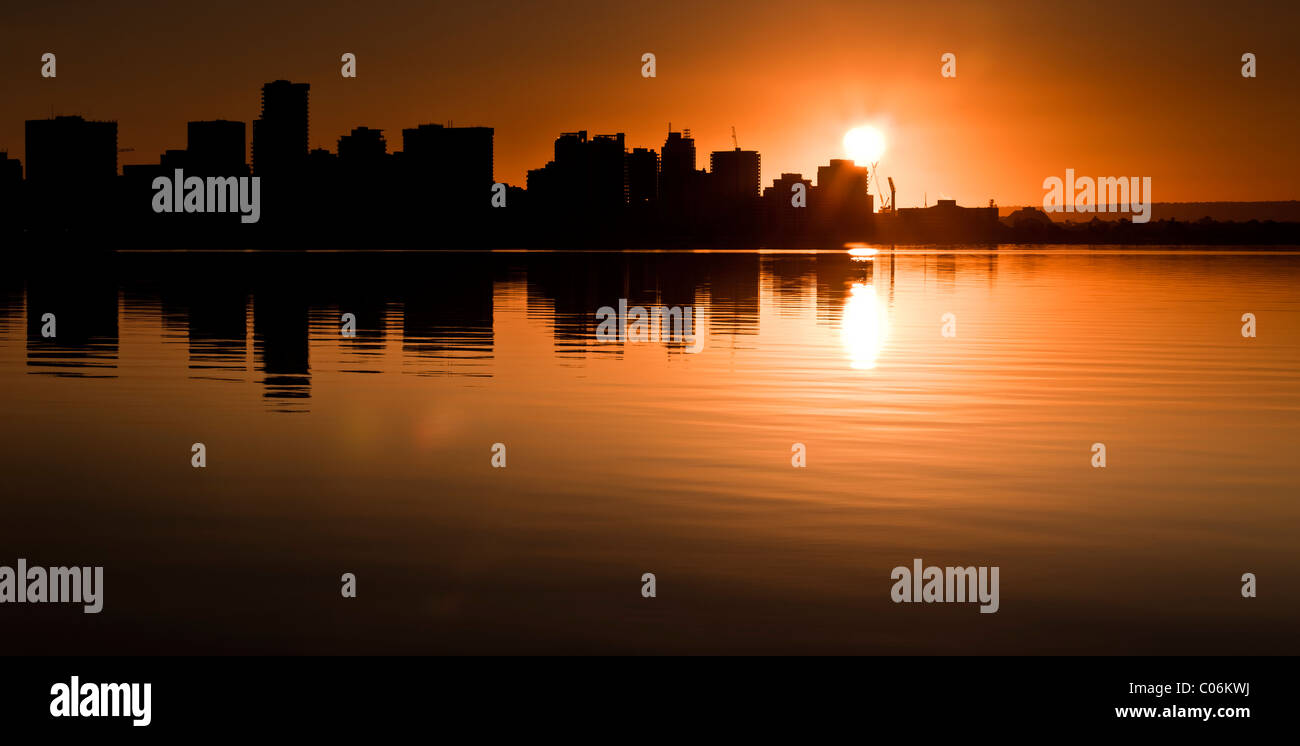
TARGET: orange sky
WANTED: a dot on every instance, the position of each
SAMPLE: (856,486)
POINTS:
(1108,89)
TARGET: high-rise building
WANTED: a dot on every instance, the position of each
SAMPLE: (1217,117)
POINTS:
(460,154)
(561,184)
(677,175)
(281,134)
(607,171)
(70,150)
(542,184)
(642,176)
(446,169)
(571,156)
(734,175)
(217,147)
(841,183)
(586,173)
(841,200)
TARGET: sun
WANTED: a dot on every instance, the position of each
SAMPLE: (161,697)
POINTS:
(864,145)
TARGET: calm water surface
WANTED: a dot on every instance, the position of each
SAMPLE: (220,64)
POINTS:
(371,455)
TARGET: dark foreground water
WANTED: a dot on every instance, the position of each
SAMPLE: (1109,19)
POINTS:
(372,454)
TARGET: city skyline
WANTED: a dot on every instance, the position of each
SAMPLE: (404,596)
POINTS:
(594,192)
(75,145)
(1025,103)
(593,187)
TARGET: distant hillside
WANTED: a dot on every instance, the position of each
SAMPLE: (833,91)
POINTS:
(1287,211)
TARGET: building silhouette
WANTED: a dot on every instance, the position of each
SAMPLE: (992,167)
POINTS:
(321,163)
(841,204)
(642,176)
(70,150)
(11,170)
(782,189)
(783,218)
(455,152)
(447,168)
(70,161)
(173,159)
(280,135)
(217,147)
(587,174)
(945,221)
(734,175)
(607,174)
(438,191)
(362,167)
(11,185)
(364,146)
(677,175)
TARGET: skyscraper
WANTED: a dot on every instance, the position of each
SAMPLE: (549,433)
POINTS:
(280,135)
(607,171)
(677,167)
(642,176)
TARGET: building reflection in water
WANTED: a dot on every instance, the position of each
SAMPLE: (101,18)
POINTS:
(82,313)
(438,310)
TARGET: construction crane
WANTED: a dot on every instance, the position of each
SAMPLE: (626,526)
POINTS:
(880,190)
(734,141)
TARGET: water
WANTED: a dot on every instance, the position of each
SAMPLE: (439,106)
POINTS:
(371,455)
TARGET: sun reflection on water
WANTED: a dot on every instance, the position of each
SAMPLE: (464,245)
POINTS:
(865,326)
